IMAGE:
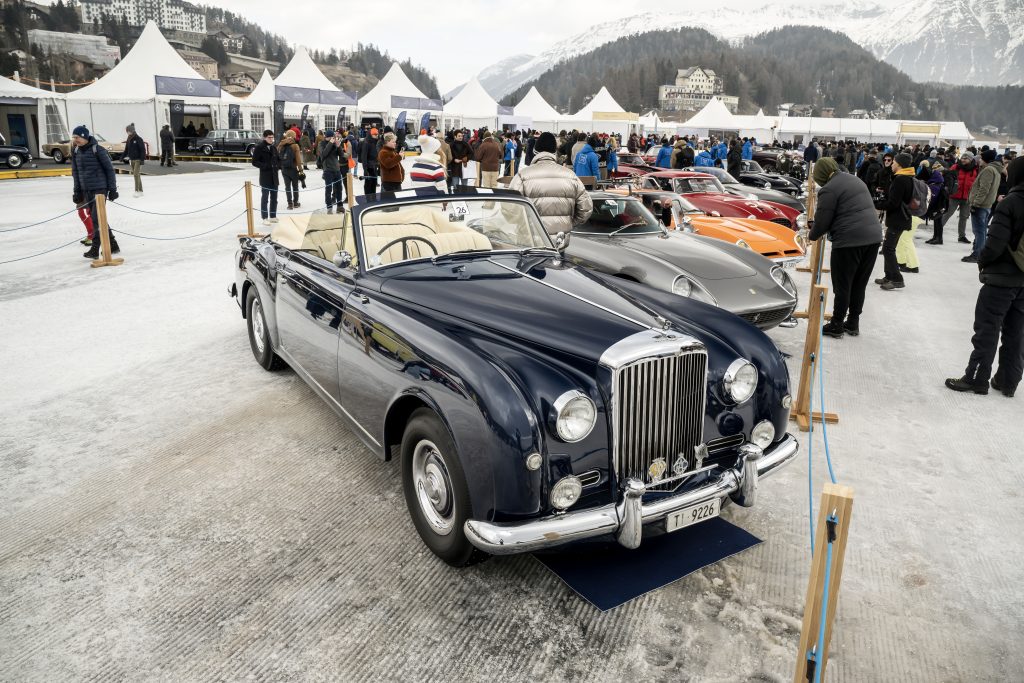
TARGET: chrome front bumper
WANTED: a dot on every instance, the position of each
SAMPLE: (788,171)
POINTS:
(625,520)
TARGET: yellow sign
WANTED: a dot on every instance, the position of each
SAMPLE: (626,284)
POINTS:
(926,128)
(615,116)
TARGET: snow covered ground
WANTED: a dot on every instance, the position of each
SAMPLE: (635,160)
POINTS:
(172,511)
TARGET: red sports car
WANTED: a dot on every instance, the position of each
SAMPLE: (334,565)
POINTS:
(707,194)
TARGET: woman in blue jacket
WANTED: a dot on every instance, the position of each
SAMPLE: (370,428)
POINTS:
(587,163)
(664,159)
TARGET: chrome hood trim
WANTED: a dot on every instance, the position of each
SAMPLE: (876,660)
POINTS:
(649,344)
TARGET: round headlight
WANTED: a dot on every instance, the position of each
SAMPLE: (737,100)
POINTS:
(576,415)
(763,434)
(801,221)
(740,380)
(767,186)
(742,243)
(682,286)
(780,275)
(566,492)
(787,401)
(534,461)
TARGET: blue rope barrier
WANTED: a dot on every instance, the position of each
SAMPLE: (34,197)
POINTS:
(183,213)
(821,399)
(32,225)
(820,647)
(25,258)
(185,237)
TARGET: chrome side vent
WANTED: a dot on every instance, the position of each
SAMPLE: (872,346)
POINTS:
(589,478)
(724,443)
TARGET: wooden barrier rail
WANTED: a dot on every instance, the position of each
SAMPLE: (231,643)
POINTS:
(803,412)
(106,258)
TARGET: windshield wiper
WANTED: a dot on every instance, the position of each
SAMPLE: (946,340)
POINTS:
(534,251)
(627,225)
(460,254)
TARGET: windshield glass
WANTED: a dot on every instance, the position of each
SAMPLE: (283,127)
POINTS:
(753,167)
(405,232)
(720,173)
(632,159)
(620,216)
(691,185)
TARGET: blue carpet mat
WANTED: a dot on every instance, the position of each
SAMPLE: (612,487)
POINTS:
(608,575)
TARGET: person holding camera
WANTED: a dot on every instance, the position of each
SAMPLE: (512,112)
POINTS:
(92,173)
(330,155)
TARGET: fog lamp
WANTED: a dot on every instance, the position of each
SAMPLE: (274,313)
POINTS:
(566,492)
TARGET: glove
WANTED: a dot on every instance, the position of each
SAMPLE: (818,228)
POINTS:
(76,198)
(112,195)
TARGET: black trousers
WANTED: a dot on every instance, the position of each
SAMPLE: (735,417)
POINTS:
(938,218)
(892,267)
(167,156)
(291,185)
(851,272)
(390,187)
(999,312)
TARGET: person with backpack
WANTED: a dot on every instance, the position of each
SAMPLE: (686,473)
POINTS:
(291,167)
(999,311)
(92,173)
(966,171)
(895,203)
(330,157)
(981,198)
(939,184)
(869,170)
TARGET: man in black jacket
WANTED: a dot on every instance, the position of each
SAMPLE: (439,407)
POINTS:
(869,170)
(266,158)
(167,146)
(92,173)
(734,160)
(135,152)
(895,203)
(369,148)
(1000,307)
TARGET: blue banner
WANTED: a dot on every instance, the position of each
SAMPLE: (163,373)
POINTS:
(187,87)
(400,123)
(342,98)
(425,121)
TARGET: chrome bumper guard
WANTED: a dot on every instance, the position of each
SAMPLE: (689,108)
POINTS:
(625,520)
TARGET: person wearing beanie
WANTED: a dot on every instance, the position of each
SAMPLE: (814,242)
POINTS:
(981,198)
(135,152)
(462,153)
(427,169)
(92,173)
(291,167)
(966,169)
(845,214)
(895,204)
(933,174)
(560,198)
(369,149)
(999,311)
(332,159)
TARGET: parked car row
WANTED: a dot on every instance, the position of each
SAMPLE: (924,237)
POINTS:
(536,390)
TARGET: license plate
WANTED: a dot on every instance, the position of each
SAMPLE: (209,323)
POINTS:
(694,514)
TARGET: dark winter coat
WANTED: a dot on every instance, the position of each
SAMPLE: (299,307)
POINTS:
(868,172)
(1004,235)
(846,213)
(135,148)
(330,156)
(266,158)
(734,161)
(900,192)
(92,170)
(369,148)
(811,153)
(167,139)
(460,152)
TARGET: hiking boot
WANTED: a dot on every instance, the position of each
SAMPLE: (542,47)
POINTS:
(94,251)
(1008,393)
(970,258)
(889,286)
(297,205)
(291,206)
(881,280)
(908,269)
(114,248)
(87,242)
(833,330)
(963,240)
(851,328)
(963,384)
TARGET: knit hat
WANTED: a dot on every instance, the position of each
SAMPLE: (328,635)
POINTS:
(1015,172)
(546,143)
(428,145)
(373,131)
(81,131)
(824,169)
(329,133)
(966,155)
(926,164)
(988,156)
(904,160)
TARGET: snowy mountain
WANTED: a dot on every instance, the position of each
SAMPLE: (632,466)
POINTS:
(976,42)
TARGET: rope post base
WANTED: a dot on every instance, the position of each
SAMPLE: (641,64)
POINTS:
(803,413)
(105,258)
(249,221)
(826,567)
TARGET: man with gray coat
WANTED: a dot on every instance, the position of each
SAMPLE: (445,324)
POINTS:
(556,192)
(981,198)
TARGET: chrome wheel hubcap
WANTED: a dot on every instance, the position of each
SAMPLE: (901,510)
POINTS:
(257,326)
(433,487)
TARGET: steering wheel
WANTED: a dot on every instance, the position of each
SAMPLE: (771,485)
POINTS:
(495,235)
(404,241)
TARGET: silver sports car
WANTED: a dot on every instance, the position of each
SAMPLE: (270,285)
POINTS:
(624,239)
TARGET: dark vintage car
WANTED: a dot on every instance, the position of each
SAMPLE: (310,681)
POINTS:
(223,141)
(755,174)
(13,156)
(750,190)
(707,194)
(623,238)
(531,402)
(777,159)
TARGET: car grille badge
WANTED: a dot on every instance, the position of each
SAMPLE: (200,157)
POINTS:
(680,464)
(700,453)
(657,469)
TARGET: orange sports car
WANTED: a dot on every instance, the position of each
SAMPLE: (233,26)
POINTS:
(771,240)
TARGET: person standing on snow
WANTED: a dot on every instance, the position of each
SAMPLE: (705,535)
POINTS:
(266,158)
(560,198)
(167,146)
(92,173)
(587,162)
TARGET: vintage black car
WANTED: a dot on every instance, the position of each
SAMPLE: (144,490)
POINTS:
(756,175)
(225,142)
(13,156)
(531,402)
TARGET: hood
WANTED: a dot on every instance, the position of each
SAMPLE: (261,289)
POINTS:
(529,303)
(749,230)
(701,259)
(586,148)
(736,205)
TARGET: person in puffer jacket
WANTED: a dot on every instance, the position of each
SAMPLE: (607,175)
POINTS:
(92,173)
(587,162)
(664,158)
(556,192)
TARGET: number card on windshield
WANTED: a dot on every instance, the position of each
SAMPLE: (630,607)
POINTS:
(457,212)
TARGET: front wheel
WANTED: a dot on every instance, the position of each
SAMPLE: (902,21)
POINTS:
(435,489)
(14,161)
(259,333)
(58,156)
(207,150)
(250,149)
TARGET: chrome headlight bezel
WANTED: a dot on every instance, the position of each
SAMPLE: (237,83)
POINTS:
(566,492)
(782,279)
(743,243)
(801,221)
(763,434)
(562,407)
(696,291)
(738,383)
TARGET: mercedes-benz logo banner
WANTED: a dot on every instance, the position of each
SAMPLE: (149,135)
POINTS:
(234,116)
(187,87)
(278,117)
(341,98)
(417,103)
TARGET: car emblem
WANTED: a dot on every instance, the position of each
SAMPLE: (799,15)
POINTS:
(680,464)
(700,452)
(657,469)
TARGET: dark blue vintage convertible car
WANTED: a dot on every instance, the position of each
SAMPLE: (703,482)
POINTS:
(531,402)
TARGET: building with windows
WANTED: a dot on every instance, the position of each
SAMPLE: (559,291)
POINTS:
(693,89)
(92,48)
(232,42)
(239,83)
(204,65)
(172,15)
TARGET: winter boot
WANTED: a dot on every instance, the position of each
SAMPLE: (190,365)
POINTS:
(852,327)
(114,249)
(966,384)
(1007,391)
(832,329)
(94,251)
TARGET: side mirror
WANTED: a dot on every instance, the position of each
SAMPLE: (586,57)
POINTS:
(342,259)
(561,241)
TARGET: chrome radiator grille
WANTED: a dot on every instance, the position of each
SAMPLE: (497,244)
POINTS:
(659,413)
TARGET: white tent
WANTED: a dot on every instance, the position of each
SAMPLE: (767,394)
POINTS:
(757,126)
(543,116)
(603,113)
(601,102)
(263,93)
(301,72)
(714,116)
(23,108)
(473,107)
(395,83)
(127,94)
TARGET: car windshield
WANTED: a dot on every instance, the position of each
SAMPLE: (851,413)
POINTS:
(723,176)
(631,159)
(620,217)
(464,225)
(752,167)
(691,185)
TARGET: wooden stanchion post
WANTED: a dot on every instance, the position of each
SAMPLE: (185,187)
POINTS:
(835,500)
(817,264)
(105,259)
(817,259)
(348,189)
(803,412)
(249,219)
